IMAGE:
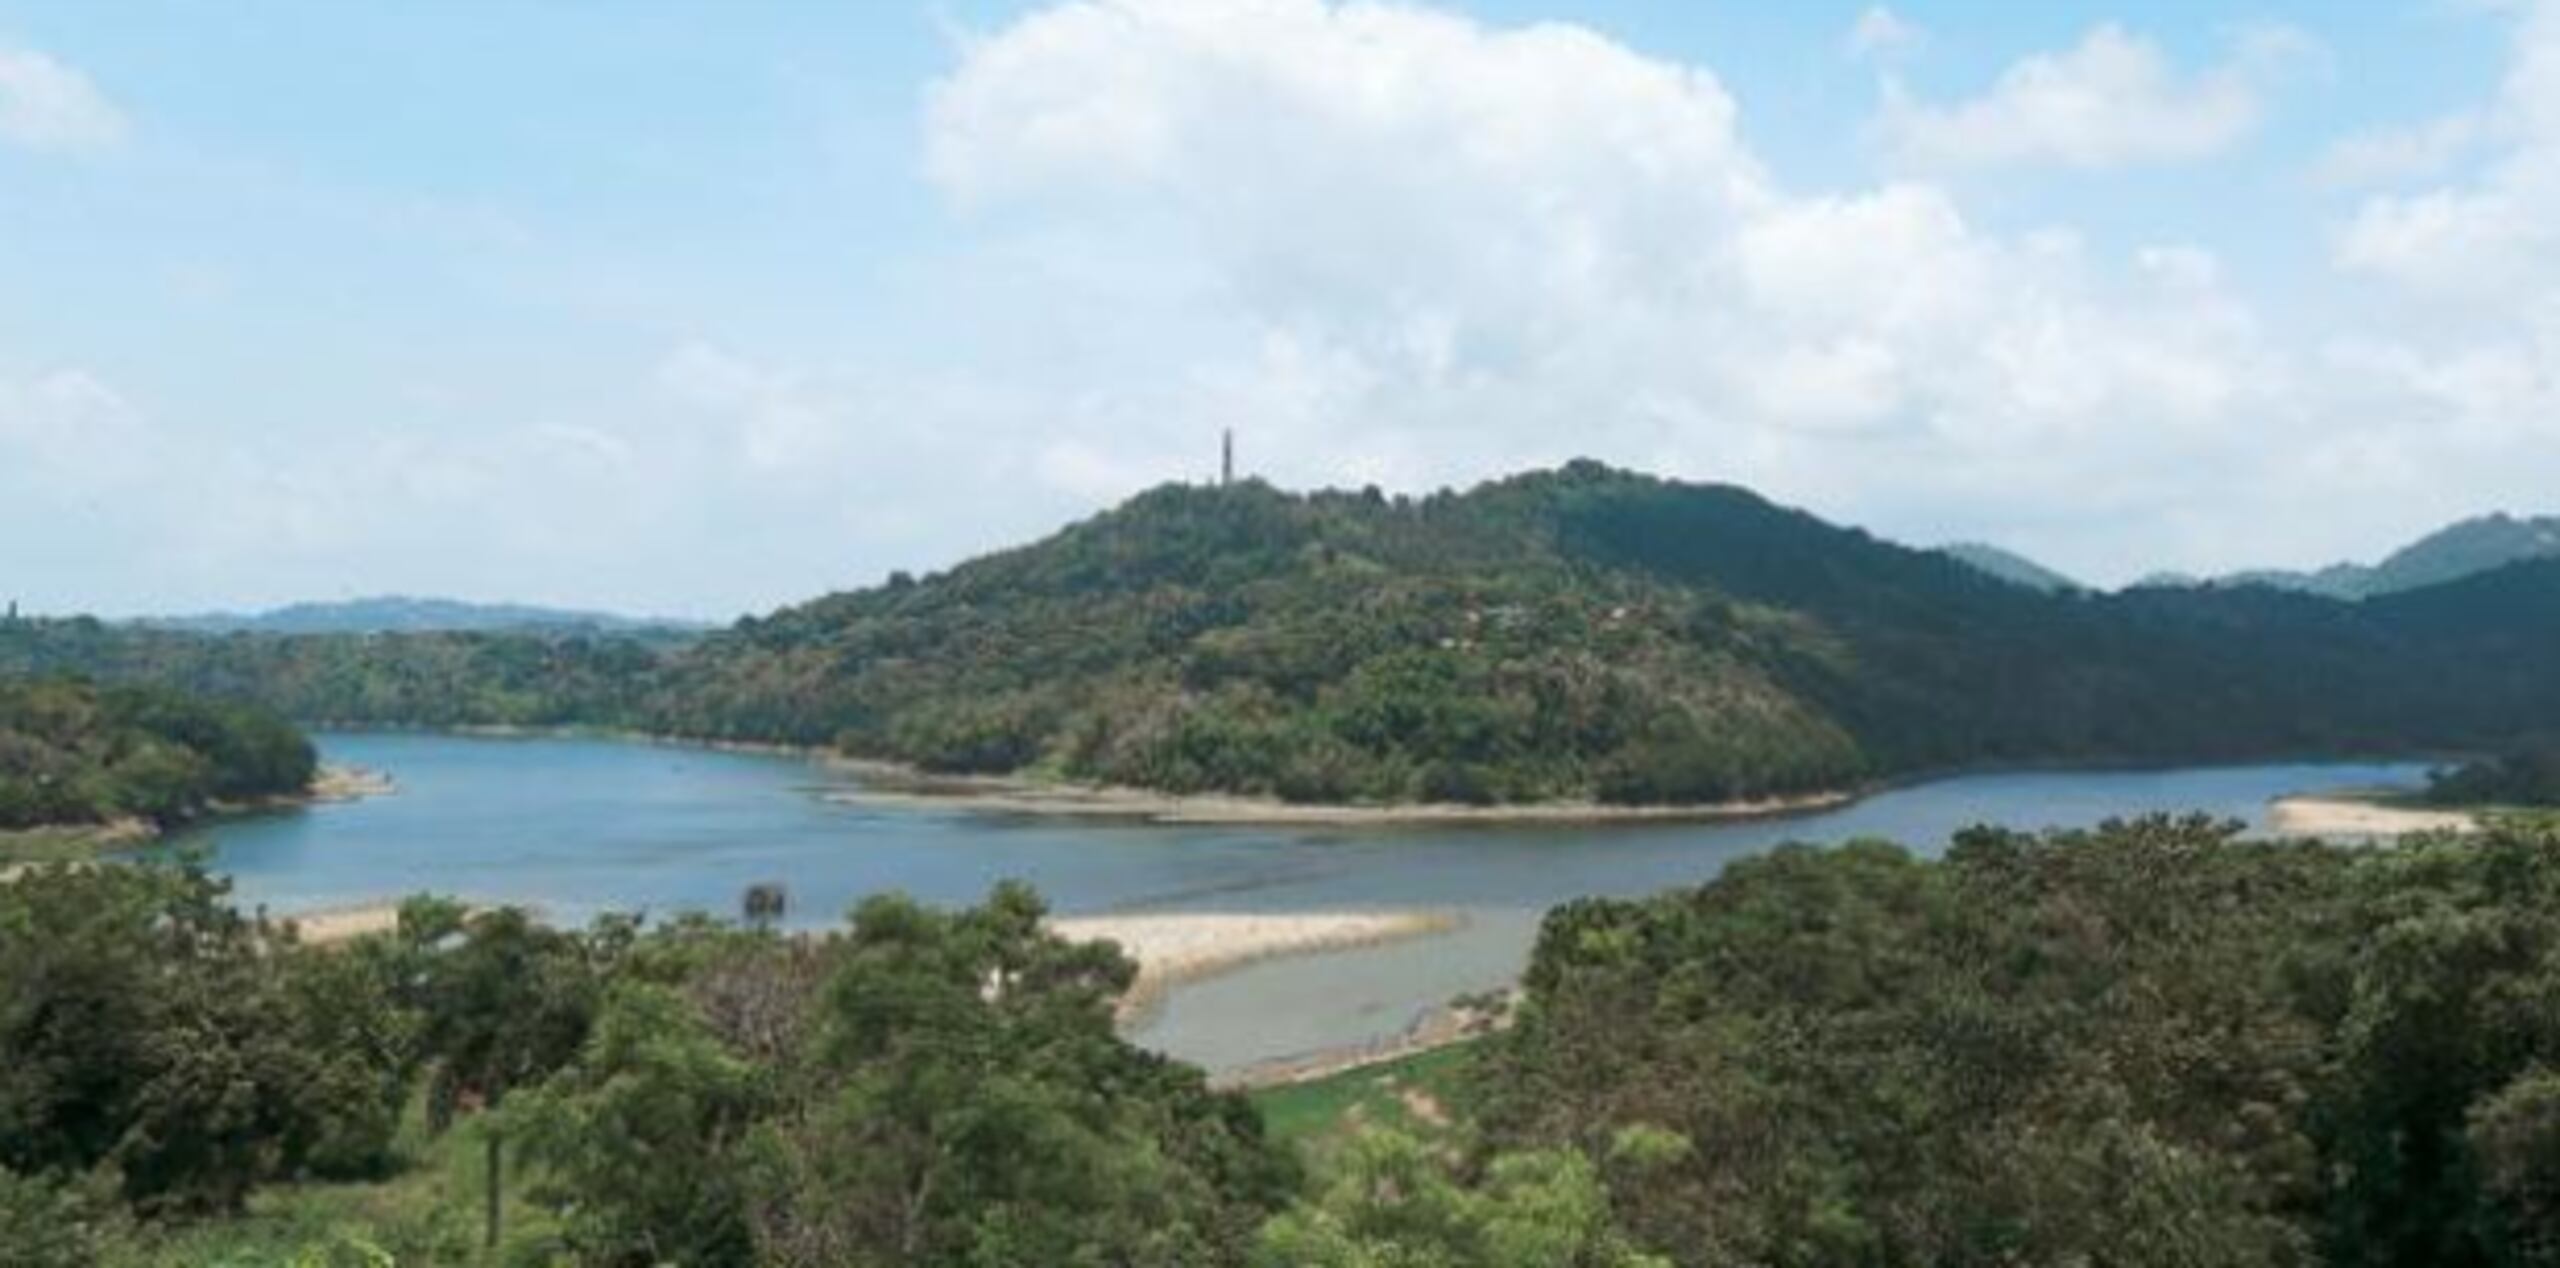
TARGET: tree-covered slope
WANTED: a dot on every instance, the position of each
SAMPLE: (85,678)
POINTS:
(71,753)
(2154,1043)
(1587,632)
(1327,647)
(1577,633)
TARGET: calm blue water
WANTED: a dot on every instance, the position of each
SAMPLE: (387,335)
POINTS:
(577,827)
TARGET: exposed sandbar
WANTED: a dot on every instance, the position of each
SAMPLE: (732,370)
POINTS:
(344,924)
(2347,814)
(887,784)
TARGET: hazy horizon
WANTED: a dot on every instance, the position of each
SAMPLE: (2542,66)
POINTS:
(696,312)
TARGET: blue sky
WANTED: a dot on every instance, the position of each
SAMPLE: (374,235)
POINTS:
(701,308)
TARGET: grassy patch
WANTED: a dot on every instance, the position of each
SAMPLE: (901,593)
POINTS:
(1415,1094)
(53,845)
(428,1212)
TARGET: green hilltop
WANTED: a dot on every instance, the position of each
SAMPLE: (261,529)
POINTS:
(1575,633)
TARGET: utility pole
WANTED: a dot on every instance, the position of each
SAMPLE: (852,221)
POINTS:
(1227,459)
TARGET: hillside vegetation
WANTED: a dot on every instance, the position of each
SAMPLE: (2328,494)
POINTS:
(920,1087)
(2524,775)
(2152,1043)
(72,753)
(1579,633)
(2149,1044)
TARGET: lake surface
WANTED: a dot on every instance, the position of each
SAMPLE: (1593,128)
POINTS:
(576,827)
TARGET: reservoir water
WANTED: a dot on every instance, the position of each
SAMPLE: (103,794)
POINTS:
(575,827)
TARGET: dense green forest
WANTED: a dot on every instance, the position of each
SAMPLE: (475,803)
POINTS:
(2153,1043)
(1578,633)
(2526,774)
(72,753)
(2149,1044)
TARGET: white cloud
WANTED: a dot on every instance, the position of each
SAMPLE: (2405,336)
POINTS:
(2386,156)
(781,424)
(2494,236)
(1395,245)
(70,429)
(1880,33)
(1424,249)
(2113,100)
(48,106)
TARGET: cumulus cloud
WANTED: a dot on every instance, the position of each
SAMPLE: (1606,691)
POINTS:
(2385,156)
(2476,262)
(1391,244)
(2112,100)
(1429,249)
(2495,235)
(71,430)
(48,106)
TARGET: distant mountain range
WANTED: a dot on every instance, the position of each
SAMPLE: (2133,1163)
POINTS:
(402,614)
(2450,554)
(2467,549)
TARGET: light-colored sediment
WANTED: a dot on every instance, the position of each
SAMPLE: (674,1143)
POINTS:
(345,924)
(887,784)
(1173,949)
(2346,815)
(347,783)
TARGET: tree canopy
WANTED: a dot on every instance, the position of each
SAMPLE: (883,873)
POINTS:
(2151,1043)
(73,753)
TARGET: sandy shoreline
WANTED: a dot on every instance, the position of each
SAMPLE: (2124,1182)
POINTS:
(892,785)
(2346,814)
(344,924)
(78,843)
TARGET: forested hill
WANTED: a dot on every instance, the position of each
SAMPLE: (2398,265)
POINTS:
(1582,632)
(73,754)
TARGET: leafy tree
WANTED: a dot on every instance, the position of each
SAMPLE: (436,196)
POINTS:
(156,1033)
(1392,1202)
(924,1088)
(2515,1134)
(49,1225)
(505,1007)
(2525,775)
(2154,1042)
(646,1135)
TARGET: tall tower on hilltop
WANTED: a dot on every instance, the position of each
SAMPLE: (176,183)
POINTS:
(1227,459)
